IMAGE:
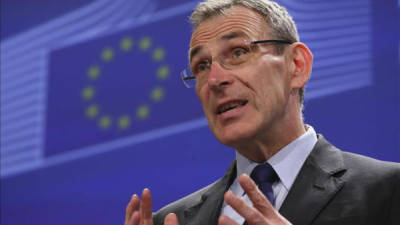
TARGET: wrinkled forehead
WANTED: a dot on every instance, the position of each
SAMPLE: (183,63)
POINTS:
(226,40)
(237,21)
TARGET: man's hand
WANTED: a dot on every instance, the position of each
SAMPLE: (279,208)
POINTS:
(261,213)
(140,212)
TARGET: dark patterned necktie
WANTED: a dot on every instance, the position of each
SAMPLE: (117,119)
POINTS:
(264,176)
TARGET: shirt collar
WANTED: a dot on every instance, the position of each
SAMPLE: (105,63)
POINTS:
(287,162)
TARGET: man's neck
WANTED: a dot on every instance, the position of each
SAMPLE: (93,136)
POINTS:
(260,149)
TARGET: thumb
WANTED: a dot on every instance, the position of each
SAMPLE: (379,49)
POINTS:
(171,219)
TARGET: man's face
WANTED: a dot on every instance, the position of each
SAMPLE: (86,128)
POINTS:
(242,104)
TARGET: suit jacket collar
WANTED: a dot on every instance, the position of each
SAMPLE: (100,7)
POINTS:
(207,209)
(318,182)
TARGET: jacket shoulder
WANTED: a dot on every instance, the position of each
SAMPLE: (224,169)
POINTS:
(370,167)
(332,159)
(352,160)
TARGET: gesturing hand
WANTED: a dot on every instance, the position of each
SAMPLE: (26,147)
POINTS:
(140,212)
(261,213)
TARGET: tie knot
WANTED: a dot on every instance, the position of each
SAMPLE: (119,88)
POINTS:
(264,173)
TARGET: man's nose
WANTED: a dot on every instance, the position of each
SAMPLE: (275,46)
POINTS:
(218,77)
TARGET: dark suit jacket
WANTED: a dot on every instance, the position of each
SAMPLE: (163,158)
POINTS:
(333,187)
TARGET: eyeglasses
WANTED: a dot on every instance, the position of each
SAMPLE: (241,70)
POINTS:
(235,54)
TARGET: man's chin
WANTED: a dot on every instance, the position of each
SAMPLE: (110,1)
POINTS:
(232,138)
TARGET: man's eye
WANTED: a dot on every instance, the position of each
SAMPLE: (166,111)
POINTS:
(201,67)
(238,52)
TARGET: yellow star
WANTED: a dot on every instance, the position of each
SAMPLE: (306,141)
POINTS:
(143,112)
(124,122)
(145,44)
(158,54)
(93,72)
(157,94)
(163,72)
(88,93)
(107,54)
(126,44)
(92,111)
(105,122)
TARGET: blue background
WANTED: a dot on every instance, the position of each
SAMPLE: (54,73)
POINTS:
(63,165)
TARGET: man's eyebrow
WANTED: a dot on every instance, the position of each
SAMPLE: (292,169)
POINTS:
(194,51)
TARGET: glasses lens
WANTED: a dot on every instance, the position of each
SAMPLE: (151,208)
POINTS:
(187,78)
(232,54)
(236,53)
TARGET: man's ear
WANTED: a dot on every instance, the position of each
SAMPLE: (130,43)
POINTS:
(300,65)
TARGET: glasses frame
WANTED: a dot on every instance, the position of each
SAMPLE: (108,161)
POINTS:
(184,74)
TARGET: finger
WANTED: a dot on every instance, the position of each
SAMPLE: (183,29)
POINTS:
(224,220)
(171,219)
(250,214)
(260,202)
(132,206)
(146,208)
(135,220)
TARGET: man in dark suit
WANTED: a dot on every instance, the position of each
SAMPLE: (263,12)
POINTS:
(249,71)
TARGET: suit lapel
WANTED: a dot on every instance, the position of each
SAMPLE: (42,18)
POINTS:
(207,210)
(315,185)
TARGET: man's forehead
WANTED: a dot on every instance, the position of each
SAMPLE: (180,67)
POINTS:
(224,38)
(239,21)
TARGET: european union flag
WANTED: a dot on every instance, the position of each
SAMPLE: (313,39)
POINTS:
(119,85)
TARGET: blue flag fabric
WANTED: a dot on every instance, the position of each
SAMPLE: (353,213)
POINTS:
(123,84)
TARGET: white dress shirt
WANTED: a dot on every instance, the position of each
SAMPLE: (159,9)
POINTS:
(287,163)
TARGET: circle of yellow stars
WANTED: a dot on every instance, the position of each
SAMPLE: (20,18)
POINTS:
(93,111)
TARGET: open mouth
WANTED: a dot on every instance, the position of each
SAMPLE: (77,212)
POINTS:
(230,105)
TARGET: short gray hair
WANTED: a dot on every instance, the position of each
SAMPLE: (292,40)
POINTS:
(277,17)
